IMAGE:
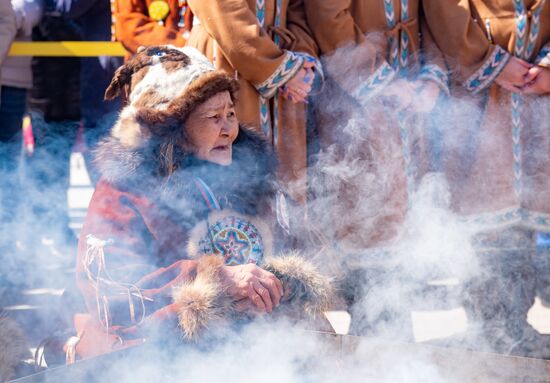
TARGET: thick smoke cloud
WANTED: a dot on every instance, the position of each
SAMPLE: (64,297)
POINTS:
(416,240)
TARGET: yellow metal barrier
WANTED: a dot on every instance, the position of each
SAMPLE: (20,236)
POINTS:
(67,48)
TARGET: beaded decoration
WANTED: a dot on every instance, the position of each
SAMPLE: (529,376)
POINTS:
(524,47)
(234,238)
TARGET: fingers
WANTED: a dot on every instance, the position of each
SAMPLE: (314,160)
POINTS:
(294,95)
(261,288)
(510,87)
(275,291)
(264,295)
(522,63)
(308,64)
(532,74)
(533,88)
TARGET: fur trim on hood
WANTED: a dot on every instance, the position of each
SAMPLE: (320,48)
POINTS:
(163,85)
(204,302)
(13,348)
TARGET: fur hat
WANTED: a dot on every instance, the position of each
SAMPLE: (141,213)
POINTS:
(162,85)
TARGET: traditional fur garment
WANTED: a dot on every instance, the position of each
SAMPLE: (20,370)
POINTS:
(164,235)
(203,302)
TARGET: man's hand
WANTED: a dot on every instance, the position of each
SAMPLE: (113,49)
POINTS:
(513,76)
(252,283)
(299,86)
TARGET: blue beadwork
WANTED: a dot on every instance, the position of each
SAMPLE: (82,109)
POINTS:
(236,239)
(489,70)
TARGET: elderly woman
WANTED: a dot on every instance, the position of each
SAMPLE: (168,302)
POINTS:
(179,226)
(268,47)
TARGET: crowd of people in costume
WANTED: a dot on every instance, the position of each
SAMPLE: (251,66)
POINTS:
(236,131)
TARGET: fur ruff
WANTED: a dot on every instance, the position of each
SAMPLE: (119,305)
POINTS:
(203,302)
(308,293)
(248,184)
(13,348)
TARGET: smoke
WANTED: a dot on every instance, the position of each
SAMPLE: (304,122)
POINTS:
(386,244)
(430,241)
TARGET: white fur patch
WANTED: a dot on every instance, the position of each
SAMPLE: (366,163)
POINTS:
(170,85)
(128,130)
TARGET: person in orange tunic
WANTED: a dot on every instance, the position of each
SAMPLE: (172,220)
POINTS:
(151,22)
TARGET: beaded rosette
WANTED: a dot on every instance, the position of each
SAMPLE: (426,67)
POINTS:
(238,239)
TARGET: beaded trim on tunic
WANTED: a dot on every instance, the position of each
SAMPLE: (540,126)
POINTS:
(510,217)
(375,83)
(290,65)
(434,73)
(524,47)
(488,71)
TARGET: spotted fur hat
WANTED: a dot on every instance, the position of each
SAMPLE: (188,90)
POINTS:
(162,85)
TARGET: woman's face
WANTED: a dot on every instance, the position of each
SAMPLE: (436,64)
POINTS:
(212,127)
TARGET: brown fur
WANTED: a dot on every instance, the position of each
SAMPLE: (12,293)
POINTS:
(13,348)
(123,75)
(203,300)
(306,290)
(149,99)
(172,66)
(202,89)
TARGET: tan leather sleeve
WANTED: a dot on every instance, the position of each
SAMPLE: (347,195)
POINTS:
(469,54)
(332,24)
(297,24)
(245,44)
(364,72)
(434,67)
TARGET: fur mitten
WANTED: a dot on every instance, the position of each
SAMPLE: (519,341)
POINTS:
(307,292)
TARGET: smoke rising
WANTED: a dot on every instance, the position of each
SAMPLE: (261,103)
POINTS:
(382,242)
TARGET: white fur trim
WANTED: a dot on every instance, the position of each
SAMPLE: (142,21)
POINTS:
(169,85)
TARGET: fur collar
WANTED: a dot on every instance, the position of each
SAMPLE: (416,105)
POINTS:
(247,185)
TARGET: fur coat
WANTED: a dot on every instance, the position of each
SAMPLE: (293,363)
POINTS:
(144,254)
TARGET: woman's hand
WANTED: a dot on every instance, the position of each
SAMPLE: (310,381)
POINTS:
(513,76)
(299,86)
(252,283)
(538,81)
